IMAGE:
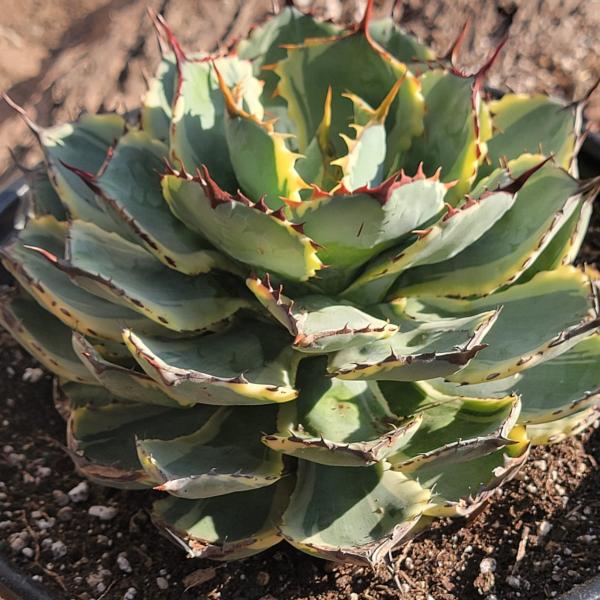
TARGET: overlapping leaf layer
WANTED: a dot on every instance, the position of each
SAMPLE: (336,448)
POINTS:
(321,292)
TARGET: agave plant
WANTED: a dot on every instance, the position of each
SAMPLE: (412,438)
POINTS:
(321,292)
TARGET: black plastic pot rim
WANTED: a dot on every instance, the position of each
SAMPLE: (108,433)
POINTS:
(16,586)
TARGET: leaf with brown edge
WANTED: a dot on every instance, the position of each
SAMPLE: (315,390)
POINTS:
(42,335)
(245,231)
(211,528)
(339,423)
(102,430)
(249,364)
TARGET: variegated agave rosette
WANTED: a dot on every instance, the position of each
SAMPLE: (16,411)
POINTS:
(322,292)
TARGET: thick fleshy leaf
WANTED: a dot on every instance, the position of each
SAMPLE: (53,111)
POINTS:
(311,68)
(456,231)
(155,112)
(102,432)
(400,44)
(553,432)
(248,364)
(340,423)
(225,455)
(451,137)
(266,43)
(43,336)
(110,267)
(460,488)
(363,163)
(198,127)
(130,189)
(422,349)
(358,523)
(45,200)
(124,382)
(317,164)
(530,124)
(352,229)
(326,325)
(498,257)
(54,290)
(538,320)
(566,243)
(452,428)
(212,527)
(564,385)
(252,141)
(320,324)
(247,232)
(83,145)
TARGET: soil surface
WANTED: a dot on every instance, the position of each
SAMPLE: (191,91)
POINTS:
(540,535)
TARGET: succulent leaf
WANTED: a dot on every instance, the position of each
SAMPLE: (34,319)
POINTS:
(112,268)
(212,528)
(552,432)
(130,189)
(43,336)
(242,230)
(451,137)
(155,112)
(53,289)
(251,140)
(311,68)
(561,316)
(83,145)
(400,44)
(543,205)
(456,231)
(250,364)
(530,124)
(339,423)
(353,228)
(198,127)
(322,522)
(219,458)
(102,432)
(453,427)
(422,349)
(266,43)
(120,380)
(460,488)
(561,386)
(45,200)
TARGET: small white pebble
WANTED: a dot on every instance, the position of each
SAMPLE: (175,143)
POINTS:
(32,374)
(544,528)
(58,549)
(487,565)
(80,492)
(28,552)
(104,513)
(162,583)
(130,594)
(123,563)
(513,582)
